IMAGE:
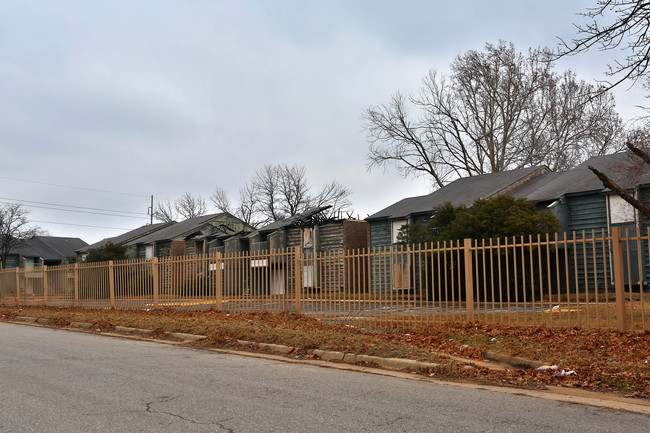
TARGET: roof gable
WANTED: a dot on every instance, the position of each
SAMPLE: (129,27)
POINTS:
(625,169)
(178,230)
(127,237)
(461,192)
(48,247)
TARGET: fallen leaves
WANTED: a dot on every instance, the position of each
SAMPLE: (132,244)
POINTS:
(602,360)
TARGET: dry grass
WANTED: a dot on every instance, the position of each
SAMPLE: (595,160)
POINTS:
(605,360)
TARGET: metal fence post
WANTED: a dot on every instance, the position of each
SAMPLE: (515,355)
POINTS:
(45,285)
(76,284)
(154,271)
(619,277)
(17,286)
(217,284)
(111,283)
(469,280)
(298,278)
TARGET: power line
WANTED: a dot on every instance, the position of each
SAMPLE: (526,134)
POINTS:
(80,225)
(73,187)
(67,205)
(79,211)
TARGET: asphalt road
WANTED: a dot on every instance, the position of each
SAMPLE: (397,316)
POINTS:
(58,381)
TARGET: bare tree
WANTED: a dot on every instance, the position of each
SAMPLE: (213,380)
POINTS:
(336,195)
(279,191)
(246,211)
(570,122)
(622,25)
(266,184)
(293,189)
(220,200)
(14,229)
(498,110)
(165,211)
(190,206)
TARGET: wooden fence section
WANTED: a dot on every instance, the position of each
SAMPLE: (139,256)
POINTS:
(593,280)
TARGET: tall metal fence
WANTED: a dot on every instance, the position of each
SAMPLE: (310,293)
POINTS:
(593,280)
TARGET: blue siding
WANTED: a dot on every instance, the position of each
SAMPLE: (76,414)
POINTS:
(587,212)
(380,238)
(380,233)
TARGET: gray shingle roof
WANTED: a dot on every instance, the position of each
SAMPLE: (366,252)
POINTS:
(34,248)
(464,191)
(49,247)
(174,231)
(66,247)
(126,237)
(626,170)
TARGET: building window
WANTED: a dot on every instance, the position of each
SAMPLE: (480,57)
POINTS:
(620,211)
(307,235)
(148,252)
(395,226)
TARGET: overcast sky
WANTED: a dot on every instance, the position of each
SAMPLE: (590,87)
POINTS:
(125,99)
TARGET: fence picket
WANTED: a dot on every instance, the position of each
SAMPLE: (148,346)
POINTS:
(564,281)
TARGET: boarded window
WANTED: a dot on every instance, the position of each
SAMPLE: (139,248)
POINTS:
(307,234)
(395,226)
(620,211)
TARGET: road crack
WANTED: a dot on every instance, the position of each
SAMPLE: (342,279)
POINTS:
(165,399)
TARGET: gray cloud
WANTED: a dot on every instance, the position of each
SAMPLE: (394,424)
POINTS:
(164,97)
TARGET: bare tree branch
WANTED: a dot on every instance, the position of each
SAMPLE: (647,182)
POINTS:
(266,184)
(335,195)
(638,152)
(626,31)
(190,206)
(14,229)
(220,200)
(608,183)
(293,189)
(248,206)
(165,211)
(498,110)
(279,191)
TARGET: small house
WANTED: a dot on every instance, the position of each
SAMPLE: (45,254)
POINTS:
(43,250)
(188,237)
(321,241)
(122,239)
(385,225)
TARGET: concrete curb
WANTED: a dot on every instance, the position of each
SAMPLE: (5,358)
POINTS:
(137,331)
(514,361)
(391,363)
(184,337)
(391,367)
(325,355)
(275,348)
(81,325)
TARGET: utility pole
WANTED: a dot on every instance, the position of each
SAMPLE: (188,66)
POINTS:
(150,210)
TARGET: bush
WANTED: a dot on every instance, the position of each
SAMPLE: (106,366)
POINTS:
(497,217)
(110,251)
